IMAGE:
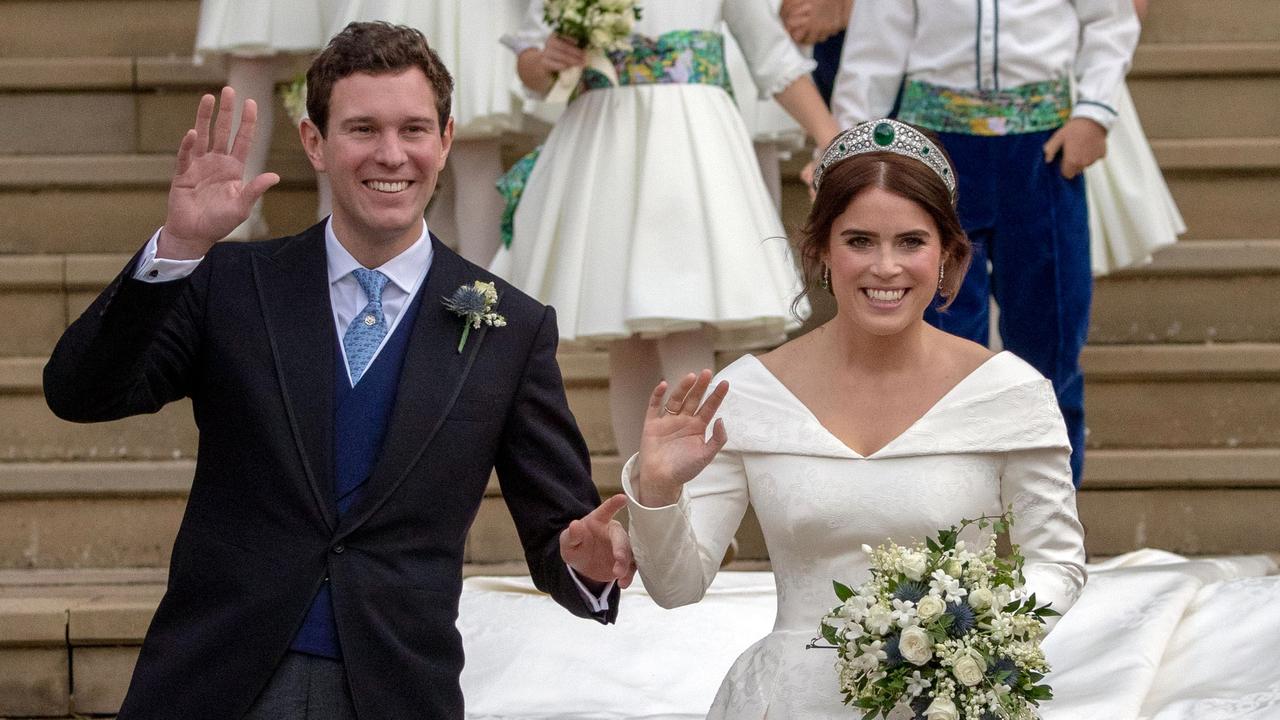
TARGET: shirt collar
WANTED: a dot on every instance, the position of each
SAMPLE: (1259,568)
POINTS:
(403,270)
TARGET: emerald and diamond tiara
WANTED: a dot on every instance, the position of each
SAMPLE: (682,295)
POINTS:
(886,135)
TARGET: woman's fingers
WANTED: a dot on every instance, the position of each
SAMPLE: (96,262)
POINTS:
(655,399)
(711,405)
(675,404)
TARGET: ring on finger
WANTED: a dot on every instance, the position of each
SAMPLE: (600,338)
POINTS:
(667,409)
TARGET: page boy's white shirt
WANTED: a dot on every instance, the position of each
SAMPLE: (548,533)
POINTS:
(984,45)
(406,272)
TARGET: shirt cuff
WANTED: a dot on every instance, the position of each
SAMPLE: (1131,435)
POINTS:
(1100,113)
(153,269)
(597,604)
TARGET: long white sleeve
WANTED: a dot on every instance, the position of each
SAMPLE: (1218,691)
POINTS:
(1109,32)
(874,60)
(774,60)
(1037,483)
(678,548)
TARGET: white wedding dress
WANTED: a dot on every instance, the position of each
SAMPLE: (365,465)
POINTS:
(996,439)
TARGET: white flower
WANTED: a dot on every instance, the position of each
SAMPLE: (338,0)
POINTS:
(941,709)
(917,683)
(947,585)
(879,619)
(981,599)
(915,645)
(863,664)
(873,649)
(914,565)
(969,668)
(930,607)
(904,612)
(954,568)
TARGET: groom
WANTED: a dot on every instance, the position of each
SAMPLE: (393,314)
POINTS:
(346,434)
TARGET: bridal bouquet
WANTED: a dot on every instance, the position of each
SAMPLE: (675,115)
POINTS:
(942,629)
(597,26)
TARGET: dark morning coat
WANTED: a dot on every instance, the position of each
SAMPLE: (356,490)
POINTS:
(250,338)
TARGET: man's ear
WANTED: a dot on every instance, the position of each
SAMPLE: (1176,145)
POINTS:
(312,143)
(446,140)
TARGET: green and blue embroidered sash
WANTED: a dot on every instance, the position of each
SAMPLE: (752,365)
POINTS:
(1023,109)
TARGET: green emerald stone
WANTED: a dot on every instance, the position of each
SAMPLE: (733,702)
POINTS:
(924,150)
(882,134)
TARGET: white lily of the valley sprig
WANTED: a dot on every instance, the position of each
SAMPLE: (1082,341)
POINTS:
(475,303)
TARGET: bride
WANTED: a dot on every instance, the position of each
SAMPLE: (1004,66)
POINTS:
(873,427)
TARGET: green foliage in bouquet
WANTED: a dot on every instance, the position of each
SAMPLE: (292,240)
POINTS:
(943,630)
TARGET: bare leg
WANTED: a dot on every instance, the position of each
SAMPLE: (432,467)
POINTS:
(254,78)
(768,157)
(477,204)
(684,353)
(633,373)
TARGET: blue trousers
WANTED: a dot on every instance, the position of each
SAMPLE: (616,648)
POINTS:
(1033,226)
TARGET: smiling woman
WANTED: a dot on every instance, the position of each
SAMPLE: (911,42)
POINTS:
(874,427)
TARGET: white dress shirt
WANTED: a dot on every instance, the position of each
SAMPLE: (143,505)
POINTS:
(405,271)
(984,45)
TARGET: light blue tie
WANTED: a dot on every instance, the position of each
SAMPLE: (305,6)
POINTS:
(369,326)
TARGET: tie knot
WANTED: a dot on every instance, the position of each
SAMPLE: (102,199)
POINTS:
(372,281)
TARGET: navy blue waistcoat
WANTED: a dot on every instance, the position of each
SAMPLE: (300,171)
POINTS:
(360,418)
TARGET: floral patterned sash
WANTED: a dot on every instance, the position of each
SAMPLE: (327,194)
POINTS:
(679,57)
(1024,109)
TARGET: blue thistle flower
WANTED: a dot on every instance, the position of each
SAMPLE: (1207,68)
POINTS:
(911,591)
(962,619)
(467,300)
(892,652)
(1001,666)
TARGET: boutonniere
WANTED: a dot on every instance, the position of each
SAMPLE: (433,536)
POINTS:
(474,303)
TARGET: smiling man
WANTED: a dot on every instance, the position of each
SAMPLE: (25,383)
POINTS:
(346,434)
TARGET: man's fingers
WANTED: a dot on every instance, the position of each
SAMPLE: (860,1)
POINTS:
(1053,145)
(712,404)
(244,134)
(204,116)
(573,536)
(260,185)
(222,124)
(608,509)
(185,149)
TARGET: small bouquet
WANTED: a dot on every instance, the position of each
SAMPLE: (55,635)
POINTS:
(943,630)
(474,303)
(294,97)
(597,26)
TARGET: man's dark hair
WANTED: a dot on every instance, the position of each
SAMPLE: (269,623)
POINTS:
(376,48)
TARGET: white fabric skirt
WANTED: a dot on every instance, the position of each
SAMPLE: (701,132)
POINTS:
(252,28)
(646,215)
(1131,213)
(465,34)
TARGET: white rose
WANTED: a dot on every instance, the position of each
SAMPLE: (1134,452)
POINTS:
(954,568)
(599,38)
(914,565)
(941,709)
(981,599)
(970,668)
(930,607)
(915,645)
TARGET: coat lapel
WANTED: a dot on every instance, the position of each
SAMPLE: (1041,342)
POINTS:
(430,380)
(293,287)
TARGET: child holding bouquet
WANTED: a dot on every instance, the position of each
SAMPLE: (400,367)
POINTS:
(644,220)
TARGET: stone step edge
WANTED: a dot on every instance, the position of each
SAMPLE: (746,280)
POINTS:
(154,170)
(42,74)
(90,272)
(1110,469)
